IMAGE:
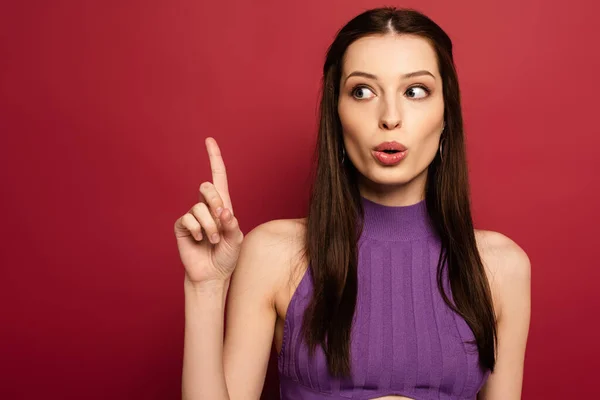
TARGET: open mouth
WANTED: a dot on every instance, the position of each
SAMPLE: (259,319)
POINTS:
(390,156)
(390,153)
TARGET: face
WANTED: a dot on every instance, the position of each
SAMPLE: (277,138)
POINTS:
(391,91)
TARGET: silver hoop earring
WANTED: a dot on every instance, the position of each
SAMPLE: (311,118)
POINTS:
(343,155)
(441,149)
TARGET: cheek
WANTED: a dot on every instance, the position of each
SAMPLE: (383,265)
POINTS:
(356,120)
(427,128)
(427,149)
(353,127)
(348,117)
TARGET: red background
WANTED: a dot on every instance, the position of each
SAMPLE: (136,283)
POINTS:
(104,107)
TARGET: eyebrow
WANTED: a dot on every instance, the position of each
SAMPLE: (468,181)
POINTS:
(405,76)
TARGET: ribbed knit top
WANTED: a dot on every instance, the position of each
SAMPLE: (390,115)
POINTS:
(405,340)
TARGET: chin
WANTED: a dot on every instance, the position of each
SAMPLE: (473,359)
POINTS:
(391,176)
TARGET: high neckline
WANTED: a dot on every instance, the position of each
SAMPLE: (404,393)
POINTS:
(396,222)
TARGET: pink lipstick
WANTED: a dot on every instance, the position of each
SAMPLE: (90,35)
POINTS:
(390,153)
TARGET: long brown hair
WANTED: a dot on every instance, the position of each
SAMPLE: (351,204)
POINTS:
(335,210)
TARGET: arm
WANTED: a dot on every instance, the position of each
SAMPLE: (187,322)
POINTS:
(263,271)
(212,248)
(202,376)
(512,278)
(234,368)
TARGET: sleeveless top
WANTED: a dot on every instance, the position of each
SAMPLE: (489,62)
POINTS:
(405,340)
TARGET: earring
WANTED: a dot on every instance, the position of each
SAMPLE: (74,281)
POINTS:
(441,148)
(442,140)
(343,155)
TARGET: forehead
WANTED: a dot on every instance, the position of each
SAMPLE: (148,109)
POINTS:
(390,55)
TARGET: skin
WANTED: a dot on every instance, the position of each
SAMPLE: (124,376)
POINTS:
(387,107)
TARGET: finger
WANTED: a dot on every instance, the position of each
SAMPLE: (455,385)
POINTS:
(189,222)
(219,174)
(188,226)
(210,196)
(201,212)
(230,227)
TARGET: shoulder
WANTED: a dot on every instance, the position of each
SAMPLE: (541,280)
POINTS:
(275,238)
(502,255)
(270,252)
(507,266)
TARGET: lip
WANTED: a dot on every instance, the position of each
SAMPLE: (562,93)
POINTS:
(390,146)
(389,159)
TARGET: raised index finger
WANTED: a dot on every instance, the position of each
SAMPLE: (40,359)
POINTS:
(217,167)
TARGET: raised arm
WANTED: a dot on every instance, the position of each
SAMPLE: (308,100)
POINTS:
(211,246)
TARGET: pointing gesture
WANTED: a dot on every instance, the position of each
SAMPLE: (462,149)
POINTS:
(208,235)
(219,173)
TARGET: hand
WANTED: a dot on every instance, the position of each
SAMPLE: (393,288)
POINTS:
(208,236)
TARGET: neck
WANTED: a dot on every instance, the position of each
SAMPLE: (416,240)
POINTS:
(401,194)
(396,222)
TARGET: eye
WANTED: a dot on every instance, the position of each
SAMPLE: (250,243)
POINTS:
(362,92)
(417,92)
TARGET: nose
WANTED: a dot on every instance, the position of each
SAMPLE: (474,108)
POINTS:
(390,117)
(389,123)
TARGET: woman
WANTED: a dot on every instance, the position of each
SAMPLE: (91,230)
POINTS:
(385,290)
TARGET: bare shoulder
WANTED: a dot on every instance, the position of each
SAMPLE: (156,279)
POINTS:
(269,253)
(502,255)
(276,239)
(507,266)
(280,228)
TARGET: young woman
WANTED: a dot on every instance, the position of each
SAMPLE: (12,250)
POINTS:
(385,290)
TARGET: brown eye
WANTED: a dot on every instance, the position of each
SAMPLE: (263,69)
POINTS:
(417,92)
(362,92)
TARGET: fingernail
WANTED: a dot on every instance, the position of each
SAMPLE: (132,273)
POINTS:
(215,238)
(219,211)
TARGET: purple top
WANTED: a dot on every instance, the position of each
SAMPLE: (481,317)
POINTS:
(405,340)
